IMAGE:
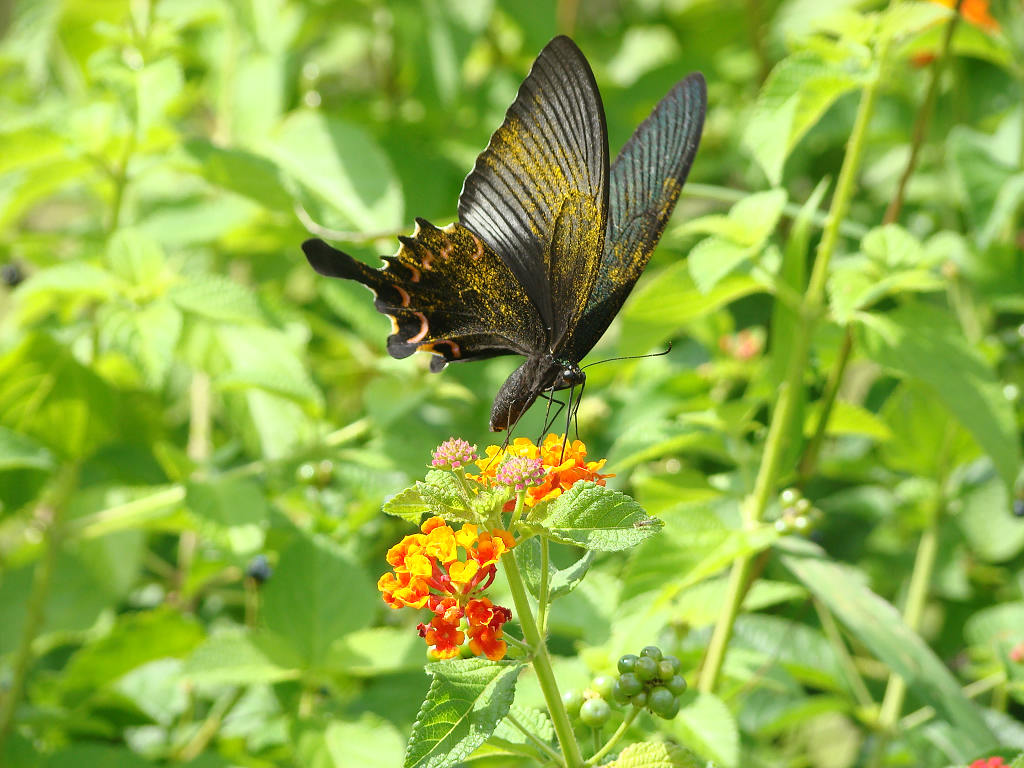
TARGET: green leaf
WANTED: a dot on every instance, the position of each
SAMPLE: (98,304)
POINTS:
(442,494)
(342,165)
(58,288)
(238,657)
(992,533)
(157,85)
(378,651)
(712,259)
(87,755)
(466,701)
(267,359)
(878,625)
(216,298)
(134,640)
(407,504)
(535,720)
(230,509)
(368,741)
(705,725)
(594,517)
(663,305)
(241,172)
(893,246)
(18,451)
(797,93)
(560,581)
(648,755)
(849,419)
(317,595)
(136,257)
(919,341)
(147,335)
(46,394)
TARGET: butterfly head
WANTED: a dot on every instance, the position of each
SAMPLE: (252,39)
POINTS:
(539,374)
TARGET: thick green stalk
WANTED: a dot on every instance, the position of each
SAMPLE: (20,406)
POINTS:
(542,664)
(782,428)
(51,512)
(892,213)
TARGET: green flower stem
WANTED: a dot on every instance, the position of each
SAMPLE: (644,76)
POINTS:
(542,664)
(51,513)
(892,213)
(917,595)
(542,603)
(209,727)
(534,739)
(615,737)
(835,639)
(782,428)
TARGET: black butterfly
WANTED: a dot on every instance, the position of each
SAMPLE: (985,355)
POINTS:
(549,241)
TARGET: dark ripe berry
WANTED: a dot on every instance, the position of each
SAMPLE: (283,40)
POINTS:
(595,712)
(11,275)
(259,569)
(630,684)
(677,685)
(665,670)
(603,685)
(651,652)
(675,662)
(573,700)
(627,662)
(1018,507)
(640,700)
(660,699)
(646,668)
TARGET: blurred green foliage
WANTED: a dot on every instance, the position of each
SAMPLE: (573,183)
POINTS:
(180,395)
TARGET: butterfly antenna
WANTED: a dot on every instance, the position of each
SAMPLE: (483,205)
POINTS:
(631,357)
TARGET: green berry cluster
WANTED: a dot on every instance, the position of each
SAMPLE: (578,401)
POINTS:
(650,680)
(798,514)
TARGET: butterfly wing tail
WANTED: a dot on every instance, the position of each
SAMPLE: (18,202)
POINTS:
(330,262)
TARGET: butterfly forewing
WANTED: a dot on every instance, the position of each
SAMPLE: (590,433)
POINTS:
(644,185)
(547,163)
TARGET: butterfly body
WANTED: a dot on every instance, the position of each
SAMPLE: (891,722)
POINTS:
(550,238)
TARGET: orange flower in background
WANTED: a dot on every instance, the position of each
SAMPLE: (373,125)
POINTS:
(447,572)
(974,11)
(563,465)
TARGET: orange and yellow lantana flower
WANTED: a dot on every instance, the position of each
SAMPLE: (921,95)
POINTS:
(564,465)
(447,571)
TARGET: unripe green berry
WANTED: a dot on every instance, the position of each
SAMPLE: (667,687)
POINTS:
(603,685)
(670,711)
(675,662)
(660,699)
(789,497)
(677,685)
(626,663)
(665,670)
(630,684)
(640,700)
(619,696)
(646,668)
(652,651)
(573,700)
(802,507)
(595,712)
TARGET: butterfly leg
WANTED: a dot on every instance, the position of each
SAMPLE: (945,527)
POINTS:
(549,421)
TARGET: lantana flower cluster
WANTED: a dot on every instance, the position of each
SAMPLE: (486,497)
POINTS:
(447,572)
(563,464)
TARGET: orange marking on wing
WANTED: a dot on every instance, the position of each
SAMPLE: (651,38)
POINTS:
(415,273)
(479,247)
(424,327)
(394,323)
(427,260)
(456,352)
(404,295)
(446,249)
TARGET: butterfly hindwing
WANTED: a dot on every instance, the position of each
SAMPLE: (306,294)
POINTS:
(644,185)
(548,162)
(446,291)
